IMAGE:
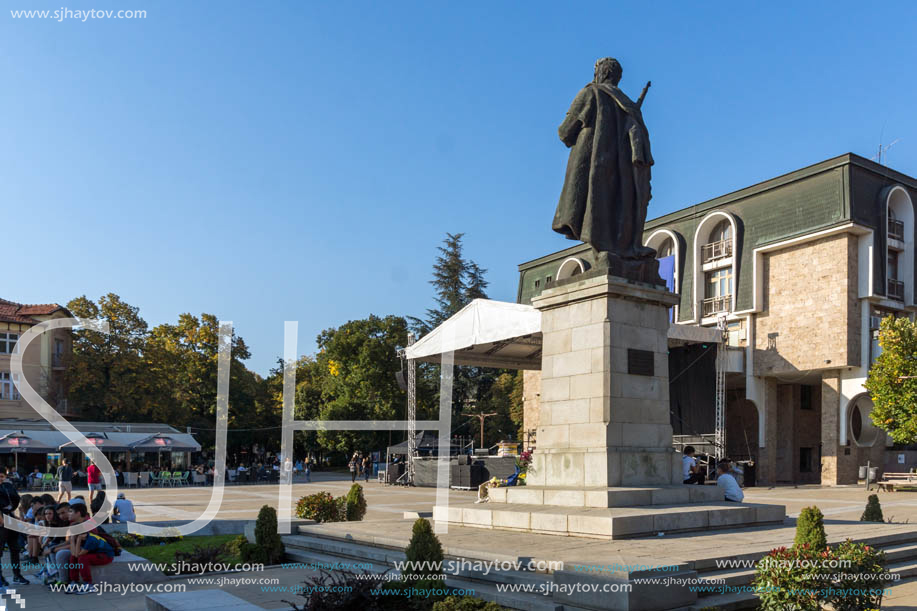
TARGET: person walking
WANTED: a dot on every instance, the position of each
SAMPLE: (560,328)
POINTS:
(308,470)
(353,468)
(94,479)
(367,468)
(64,480)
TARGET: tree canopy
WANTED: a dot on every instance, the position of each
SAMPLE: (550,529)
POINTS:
(892,381)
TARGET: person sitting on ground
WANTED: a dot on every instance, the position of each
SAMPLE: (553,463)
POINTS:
(49,545)
(95,506)
(124,510)
(86,550)
(728,484)
(59,554)
(24,509)
(691,472)
(64,480)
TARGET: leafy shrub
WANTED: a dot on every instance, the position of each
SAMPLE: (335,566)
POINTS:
(465,603)
(355,504)
(235,547)
(321,507)
(200,555)
(788,578)
(424,547)
(266,536)
(129,539)
(810,529)
(345,590)
(860,584)
(873,512)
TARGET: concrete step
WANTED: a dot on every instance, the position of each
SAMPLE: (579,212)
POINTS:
(724,602)
(511,600)
(900,552)
(325,552)
(731,577)
(905,569)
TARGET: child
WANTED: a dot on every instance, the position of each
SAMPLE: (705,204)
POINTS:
(86,550)
(728,484)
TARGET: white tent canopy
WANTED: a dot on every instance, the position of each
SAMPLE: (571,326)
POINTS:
(489,333)
(486,333)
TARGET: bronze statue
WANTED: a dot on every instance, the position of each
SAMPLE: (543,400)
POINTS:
(607,187)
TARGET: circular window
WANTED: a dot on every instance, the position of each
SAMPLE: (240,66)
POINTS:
(861,428)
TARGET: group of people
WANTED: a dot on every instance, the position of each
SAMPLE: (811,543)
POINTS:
(360,465)
(65,561)
(725,480)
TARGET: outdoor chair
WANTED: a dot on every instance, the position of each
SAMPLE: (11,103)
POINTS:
(231,474)
(145,477)
(48,481)
(184,479)
(130,479)
(155,479)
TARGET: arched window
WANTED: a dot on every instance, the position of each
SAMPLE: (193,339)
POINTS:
(721,232)
(666,249)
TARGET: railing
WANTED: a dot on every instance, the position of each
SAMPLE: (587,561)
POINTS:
(895,289)
(716,250)
(715,305)
(57,360)
(896,229)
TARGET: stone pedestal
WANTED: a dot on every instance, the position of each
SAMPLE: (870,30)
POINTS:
(604,414)
(604,464)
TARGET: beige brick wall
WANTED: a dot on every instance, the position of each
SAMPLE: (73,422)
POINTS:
(531,401)
(811,312)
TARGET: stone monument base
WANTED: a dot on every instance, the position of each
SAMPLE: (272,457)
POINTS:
(605,497)
(608,522)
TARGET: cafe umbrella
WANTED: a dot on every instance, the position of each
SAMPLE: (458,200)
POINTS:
(19,443)
(160,443)
(100,441)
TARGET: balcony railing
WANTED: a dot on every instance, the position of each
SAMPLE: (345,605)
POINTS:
(895,289)
(716,250)
(715,305)
(896,230)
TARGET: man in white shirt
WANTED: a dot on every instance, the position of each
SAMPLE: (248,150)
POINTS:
(124,510)
(728,484)
(689,465)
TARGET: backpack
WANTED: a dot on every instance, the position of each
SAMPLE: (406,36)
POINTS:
(115,546)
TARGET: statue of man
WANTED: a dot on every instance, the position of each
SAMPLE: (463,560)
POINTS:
(607,187)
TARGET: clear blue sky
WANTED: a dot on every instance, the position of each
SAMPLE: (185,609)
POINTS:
(302,160)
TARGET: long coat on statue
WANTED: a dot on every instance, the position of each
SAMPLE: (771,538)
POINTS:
(607,186)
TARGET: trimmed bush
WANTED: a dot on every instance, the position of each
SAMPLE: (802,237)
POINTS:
(321,507)
(355,504)
(423,548)
(873,512)
(266,536)
(810,529)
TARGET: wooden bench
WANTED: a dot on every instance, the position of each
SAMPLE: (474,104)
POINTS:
(890,481)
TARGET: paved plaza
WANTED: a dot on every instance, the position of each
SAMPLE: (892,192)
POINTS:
(386,504)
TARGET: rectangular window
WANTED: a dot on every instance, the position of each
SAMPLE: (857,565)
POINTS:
(9,390)
(805,397)
(8,342)
(719,283)
(805,460)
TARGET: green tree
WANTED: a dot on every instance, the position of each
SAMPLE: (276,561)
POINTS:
(108,376)
(892,381)
(423,553)
(357,363)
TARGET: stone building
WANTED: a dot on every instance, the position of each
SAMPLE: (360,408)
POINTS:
(44,363)
(799,269)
